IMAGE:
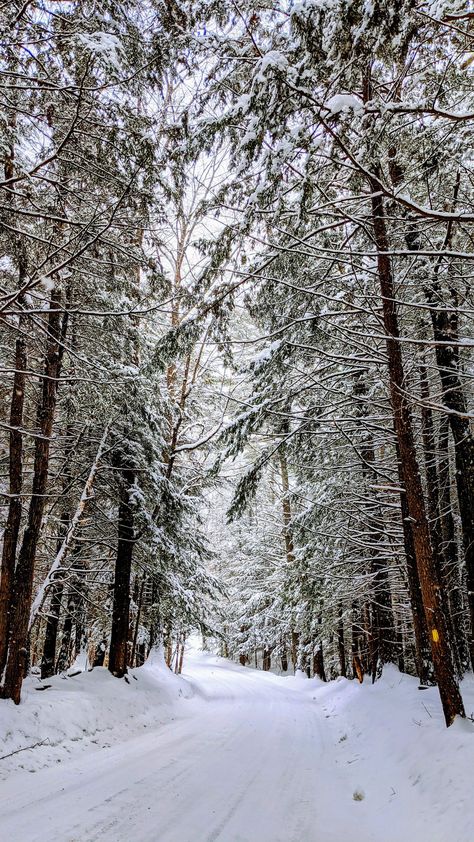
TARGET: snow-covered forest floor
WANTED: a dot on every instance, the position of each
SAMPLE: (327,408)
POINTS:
(232,754)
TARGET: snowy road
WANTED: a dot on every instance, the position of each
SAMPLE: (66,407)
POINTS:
(256,759)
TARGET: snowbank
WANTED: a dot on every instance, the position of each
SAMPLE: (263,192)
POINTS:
(391,739)
(85,710)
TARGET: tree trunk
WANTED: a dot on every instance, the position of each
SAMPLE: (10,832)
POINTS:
(181,655)
(73,616)
(445,323)
(432,490)
(357,668)
(429,581)
(168,647)
(341,649)
(48,661)
(381,627)
(118,656)
(64,656)
(23,583)
(423,661)
(318,663)
(449,546)
(99,655)
(445,330)
(12,528)
(288,539)
(137,622)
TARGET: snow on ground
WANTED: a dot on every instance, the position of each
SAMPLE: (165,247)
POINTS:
(83,711)
(230,754)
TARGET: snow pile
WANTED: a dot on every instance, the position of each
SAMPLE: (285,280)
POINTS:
(104,45)
(273,60)
(85,710)
(409,772)
(345,103)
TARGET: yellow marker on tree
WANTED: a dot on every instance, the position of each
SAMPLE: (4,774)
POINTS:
(435,635)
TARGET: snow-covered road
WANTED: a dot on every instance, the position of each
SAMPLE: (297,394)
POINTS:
(256,758)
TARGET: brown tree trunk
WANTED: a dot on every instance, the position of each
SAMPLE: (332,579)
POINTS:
(99,655)
(12,528)
(357,667)
(341,648)
(429,581)
(118,655)
(288,539)
(423,661)
(181,655)
(24,571)
(48,660)
(445,323)
(65,650)
(168,647)
(432,490)
(69,643)
(445,329)
(295,642)
(155,630)
(450,549)
(385,648)
(318,663)
(137,623)
(381,625)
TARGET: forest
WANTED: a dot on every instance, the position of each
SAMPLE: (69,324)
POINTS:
(236,345)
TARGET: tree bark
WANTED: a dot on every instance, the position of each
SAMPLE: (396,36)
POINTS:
(357,667)
(341,648)
(445,329)
(445,323)
(48,660)
(382,627)
(433,504)
(137,622)
(118,655)
(288,540)
(430,586)
(450,549)
(23,583)
(423,660)
(181,655)
(99,655)
(318,662)
(12,528)
(267,659)
(64,655)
